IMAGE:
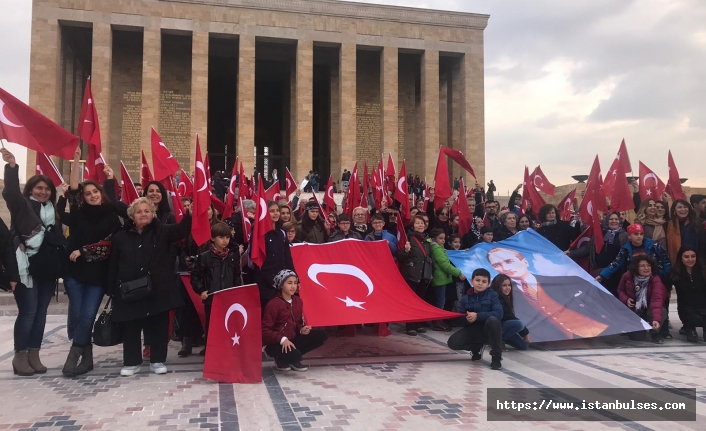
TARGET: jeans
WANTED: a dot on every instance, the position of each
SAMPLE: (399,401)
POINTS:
(303,343)
(441,295)
(32,304)
(511,336)
(156,327)
(475,335)
(84,302)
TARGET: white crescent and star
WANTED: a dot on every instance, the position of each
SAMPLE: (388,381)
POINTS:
(329,192)
(589,207)
(582,240)
(3,119)
(399,184)
(200,168)
(161,144)
(344,269)
(289,183)
(240,309)
(650,175)
(263,210)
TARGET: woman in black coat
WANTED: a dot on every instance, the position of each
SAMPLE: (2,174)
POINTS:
(559,232)
(157,194)
(508,227)
(33,222)
(415,265)
(92,221)
(142,249)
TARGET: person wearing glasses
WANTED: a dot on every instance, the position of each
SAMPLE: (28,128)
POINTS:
(344,230)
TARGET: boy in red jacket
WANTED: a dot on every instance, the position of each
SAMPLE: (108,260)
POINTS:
(284,334)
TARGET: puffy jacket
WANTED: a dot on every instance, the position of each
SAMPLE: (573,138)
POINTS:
(339,235)
(443,269)
(654,250)
(412,261)
(282,319)
(384,235)
(486,304)
(211,273)
(656,294)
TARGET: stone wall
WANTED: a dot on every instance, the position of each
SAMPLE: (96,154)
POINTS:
(368,108)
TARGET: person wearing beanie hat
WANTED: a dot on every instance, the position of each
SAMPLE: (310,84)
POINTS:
(638,245)
(313,228)
(285,335)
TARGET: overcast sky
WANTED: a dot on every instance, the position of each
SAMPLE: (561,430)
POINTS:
(564,80)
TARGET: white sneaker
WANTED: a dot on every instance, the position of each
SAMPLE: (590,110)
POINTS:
(129,371)
(158,368)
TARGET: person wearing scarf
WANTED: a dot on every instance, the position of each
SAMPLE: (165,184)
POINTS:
(559,232)
(655,226)
(684,228)
(643,292)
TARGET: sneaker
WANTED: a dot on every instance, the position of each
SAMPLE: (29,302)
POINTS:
(299,367)
(282,366)
(129,371)
(421,331)
(682,331)
(657,339)
(158,368)
(692,336)
(495,362)
(412,332)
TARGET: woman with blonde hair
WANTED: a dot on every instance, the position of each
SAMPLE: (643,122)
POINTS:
(655,227)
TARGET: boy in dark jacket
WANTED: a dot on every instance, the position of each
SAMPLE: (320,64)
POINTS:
(284,334)
(482,325)
(216,269)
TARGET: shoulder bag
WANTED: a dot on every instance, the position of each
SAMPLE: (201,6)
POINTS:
(107,333)
(139,288)
(427,270)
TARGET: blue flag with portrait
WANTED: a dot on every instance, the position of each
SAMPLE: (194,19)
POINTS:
(553,296)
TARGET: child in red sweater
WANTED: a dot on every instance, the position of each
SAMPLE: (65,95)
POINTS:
(284,334)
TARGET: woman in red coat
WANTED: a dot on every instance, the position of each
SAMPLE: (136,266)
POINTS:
(644,293)
(285,335)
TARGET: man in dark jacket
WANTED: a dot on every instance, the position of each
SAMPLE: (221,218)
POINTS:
(344,230)
(482,324)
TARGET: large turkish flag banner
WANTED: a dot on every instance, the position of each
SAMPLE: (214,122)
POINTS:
(351,281)
(234,346)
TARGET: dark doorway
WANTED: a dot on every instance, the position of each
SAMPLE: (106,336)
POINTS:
(222,99)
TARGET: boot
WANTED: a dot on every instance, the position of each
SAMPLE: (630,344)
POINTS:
(86,363)
(186,347)
(71,363)
(35,363)
(20,364)
(495,363)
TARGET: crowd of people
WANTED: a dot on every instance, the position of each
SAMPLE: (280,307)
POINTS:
(134,254)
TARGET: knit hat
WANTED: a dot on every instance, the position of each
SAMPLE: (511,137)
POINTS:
(635,228)
(311,205)
(486,229)
(281,277)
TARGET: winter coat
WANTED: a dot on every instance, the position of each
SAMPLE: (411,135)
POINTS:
(339,235)
(509,314)
(443,269)
(691,291)
(502,233)
(561,234)
(282,319)
(8,260)
(384,235)
(135,255)
(412,262)
(624,257)
(212,273)
(486,304)
(278,257)
(316,234)
(88,224)
(588,249)
(656,294)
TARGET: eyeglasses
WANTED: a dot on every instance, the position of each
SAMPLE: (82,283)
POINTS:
(345,223)
(292,231)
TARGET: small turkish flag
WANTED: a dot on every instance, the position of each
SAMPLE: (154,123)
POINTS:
(145,173)
(442,186)
(459,158)
(389,174)
(291,185)
(244,191)
(566,205)
(163,162)
(651,187)
(195,299)
(230,198)
(402,195)
(530,195)
(591,203)
(207,169)
(541,182)
(465,216)
(247,226)
(674,183)
(273,193)
(621,196)
(185,188)
(234,346)
(26,127)
(401,236)
(585,236)
(46,167)
(128,187)
(328,197)
(93,169)
(88,128)
(350,282)
(200,226)
(263,224)
(623,157)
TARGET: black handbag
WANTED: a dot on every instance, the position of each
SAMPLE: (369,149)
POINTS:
(51,260)
(107,333)
(139,288)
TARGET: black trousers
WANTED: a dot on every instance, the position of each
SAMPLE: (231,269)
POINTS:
(692,318)
(303,343)
(474,336)
(420,288)
(189,323)
(156,327)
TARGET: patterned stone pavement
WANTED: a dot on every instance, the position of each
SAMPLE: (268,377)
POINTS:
(360,383)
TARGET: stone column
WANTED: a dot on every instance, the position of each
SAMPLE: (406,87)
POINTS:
(430,112)
(474,114)
(101,66)
(199,92)
(45,77)
(347,113)
(151,85)
(389,88)
(245,111)
(302,116)
(336,167)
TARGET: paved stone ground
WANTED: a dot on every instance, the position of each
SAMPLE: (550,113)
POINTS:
(361,383)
